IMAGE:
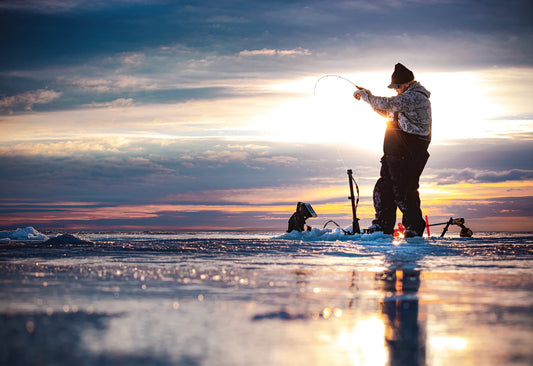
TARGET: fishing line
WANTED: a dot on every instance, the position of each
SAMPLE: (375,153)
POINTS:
(352,179)
(314,93)
(340,156)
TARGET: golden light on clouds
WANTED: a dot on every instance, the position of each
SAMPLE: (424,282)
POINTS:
(478,191)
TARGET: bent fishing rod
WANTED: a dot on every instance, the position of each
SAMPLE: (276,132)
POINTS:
(334,76)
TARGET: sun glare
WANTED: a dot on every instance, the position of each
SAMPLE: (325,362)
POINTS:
(365,343)
(331,114)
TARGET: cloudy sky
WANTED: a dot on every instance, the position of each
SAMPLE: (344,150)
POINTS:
(194,115)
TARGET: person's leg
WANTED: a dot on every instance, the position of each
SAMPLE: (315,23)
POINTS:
(412,214)
(384,203)
(406,193)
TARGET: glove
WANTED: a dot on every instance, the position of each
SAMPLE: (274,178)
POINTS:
(361,91)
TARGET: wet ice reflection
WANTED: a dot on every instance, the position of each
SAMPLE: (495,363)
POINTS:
(268,302)
(364,343)
(405,337)
(447,344)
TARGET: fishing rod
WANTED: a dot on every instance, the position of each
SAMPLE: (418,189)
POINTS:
(355,222)
(355,203)
(334,76)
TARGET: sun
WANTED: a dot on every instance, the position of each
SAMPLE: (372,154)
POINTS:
(330,114)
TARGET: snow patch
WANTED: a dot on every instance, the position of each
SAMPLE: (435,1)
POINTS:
(333,235)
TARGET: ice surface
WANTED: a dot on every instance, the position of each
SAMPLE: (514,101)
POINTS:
(316,298)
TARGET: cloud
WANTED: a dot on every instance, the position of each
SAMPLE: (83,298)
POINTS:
(134,59)
(146,170)
(100,49)
(491,207)
(274,52)
(222,156)
(110,81)
(62,6)
(233,153)
(455,176)
(95,85)
(503,154)
(44,6)
(454,33)
(83,215)
(64,148)
(152,183)
(28,99)
(117,103)
(318,192)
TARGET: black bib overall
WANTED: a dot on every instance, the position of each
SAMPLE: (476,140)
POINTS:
(404,159)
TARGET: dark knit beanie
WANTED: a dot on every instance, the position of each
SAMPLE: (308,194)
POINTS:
(401,75)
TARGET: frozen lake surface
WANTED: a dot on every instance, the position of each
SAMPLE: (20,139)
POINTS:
(267,299)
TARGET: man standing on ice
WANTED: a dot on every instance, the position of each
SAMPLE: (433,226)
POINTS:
(405,148)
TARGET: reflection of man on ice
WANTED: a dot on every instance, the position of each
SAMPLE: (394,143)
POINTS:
(405,333)
(405,147)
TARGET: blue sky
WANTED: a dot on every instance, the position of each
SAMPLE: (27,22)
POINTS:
(201,114)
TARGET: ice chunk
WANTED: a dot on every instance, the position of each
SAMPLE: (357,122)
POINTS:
(27,233)
(67,239)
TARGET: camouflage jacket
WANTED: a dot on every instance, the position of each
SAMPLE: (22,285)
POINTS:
(412,108)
